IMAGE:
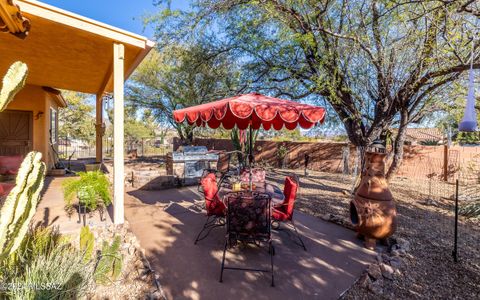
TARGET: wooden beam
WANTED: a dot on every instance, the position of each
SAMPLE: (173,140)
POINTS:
(118,134)
(99,129)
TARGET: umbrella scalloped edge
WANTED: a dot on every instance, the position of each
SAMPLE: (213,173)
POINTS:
(252,109)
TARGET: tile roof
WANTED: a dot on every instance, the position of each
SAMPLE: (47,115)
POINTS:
(424,134)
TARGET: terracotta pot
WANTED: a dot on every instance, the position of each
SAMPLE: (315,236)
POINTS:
(373,211)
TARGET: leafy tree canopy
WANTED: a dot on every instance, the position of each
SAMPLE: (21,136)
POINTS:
(376,63)
(77,121)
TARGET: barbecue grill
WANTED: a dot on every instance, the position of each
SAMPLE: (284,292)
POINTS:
(188,163)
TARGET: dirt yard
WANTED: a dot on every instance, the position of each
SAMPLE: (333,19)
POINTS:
(427,271)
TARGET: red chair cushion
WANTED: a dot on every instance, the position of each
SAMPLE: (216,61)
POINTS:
(284,211)
(279,215)
(213,204)
(9,165)
(5,188)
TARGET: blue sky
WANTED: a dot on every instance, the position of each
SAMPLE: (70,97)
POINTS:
(125,14)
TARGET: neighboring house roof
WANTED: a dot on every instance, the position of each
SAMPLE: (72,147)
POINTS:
(423,134)
(68,51)
(12,20)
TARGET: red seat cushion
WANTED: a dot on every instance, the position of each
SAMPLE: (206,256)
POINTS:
(213,204)
(284,211)
(279,215)
(5,188)
(9,165)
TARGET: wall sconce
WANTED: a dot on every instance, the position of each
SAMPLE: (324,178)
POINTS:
(39,115)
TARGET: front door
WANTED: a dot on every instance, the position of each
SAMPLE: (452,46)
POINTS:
(16,132)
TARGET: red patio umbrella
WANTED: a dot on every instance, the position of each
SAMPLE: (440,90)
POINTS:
(252,111)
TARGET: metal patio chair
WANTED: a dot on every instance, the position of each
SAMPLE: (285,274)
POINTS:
(213,205)
(283,213)
(248,221)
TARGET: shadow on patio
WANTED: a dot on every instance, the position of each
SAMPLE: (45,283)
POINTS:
(167,229)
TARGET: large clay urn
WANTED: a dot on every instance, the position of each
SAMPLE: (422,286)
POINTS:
(373,211)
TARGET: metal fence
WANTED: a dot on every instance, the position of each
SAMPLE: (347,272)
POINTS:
(78,149)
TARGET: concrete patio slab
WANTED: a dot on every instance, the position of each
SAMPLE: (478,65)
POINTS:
(166,224)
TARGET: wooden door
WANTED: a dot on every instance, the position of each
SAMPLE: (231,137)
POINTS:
(16,132)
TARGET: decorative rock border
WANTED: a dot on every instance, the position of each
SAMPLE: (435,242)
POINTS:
(387,265)
(138,279)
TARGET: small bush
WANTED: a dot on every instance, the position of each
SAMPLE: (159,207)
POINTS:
(470,210)
(46,266)
(92,189)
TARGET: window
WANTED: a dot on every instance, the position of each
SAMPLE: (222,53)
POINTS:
(53,125)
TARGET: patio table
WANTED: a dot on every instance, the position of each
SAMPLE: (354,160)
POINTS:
(274,191)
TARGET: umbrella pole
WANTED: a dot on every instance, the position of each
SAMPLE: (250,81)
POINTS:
(250,156)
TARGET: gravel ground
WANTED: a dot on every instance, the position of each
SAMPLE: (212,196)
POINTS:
(425,220)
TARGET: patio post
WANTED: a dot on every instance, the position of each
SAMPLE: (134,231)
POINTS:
(118,133)
(99,128)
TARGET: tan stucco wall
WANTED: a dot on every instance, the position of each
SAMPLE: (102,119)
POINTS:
(36,99)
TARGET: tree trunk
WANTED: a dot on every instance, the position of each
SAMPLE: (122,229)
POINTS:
(398,145)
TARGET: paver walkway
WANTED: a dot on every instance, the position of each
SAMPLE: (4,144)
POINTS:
(166,230)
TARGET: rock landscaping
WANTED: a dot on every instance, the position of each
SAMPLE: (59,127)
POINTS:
(137,280)
(417,262)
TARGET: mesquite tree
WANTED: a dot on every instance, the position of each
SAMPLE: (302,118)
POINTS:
(377,63)
(177,76)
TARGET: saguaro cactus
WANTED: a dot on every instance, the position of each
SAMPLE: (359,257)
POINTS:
(12,83)
(21,203)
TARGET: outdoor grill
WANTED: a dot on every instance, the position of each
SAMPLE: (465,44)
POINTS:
(188,163)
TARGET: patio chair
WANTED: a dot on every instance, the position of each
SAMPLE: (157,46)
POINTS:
(213,205)
(258,175)
(222,172)
(283,213)
(248,221)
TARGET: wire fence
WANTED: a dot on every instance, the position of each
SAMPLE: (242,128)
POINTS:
(144,147)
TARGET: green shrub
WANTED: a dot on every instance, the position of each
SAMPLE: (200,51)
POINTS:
(92,189)
(87,241)
(470,210)
(110,263)
(430,143)
(60,274)
(468,138)
(45,258)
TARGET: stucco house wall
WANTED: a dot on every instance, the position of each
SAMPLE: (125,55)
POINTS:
(40,102)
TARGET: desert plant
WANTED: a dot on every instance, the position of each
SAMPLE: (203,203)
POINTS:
(45,257)
(59,274)
(13,81)
(87,242)
(281,154)
(110,263)
(21,203)
(91,188)
(430,143)
(241,142)
(470,210)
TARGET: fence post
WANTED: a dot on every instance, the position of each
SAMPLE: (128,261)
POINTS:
(455,236)
(445,162)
